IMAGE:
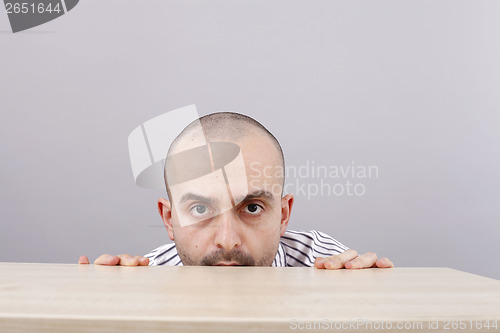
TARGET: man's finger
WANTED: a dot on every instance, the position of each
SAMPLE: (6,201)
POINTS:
(384,263)
(365,260)
(128,260)
(107,260)
(83,260)
(336,261)
(143,261)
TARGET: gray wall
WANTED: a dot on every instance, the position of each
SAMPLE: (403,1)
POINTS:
(411,87)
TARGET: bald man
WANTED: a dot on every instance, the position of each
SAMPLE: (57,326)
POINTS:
(225,209)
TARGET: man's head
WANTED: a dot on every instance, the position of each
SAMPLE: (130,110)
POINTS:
(224,178)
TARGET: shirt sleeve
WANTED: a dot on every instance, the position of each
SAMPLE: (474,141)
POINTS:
(164,255)
(303,247)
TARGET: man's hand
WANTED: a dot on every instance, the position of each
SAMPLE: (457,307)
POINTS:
(349,259)
(121,260)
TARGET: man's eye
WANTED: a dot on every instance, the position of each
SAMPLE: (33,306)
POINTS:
(253,209)
(199,210)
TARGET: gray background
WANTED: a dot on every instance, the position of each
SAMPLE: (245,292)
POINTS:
(409,86)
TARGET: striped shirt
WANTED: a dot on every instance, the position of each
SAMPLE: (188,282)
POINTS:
(296,249)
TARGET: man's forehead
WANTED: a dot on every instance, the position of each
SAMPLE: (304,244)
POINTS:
(260,152)
(254,146)
(200,161)
(241,158)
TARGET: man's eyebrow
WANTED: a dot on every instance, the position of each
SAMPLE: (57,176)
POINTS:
(259,194)
(196,197)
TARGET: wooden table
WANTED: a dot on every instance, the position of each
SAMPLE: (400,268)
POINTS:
(88,298)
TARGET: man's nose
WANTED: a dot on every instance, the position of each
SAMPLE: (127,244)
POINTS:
(227,233)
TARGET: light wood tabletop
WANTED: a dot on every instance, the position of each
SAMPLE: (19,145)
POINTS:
(88,298)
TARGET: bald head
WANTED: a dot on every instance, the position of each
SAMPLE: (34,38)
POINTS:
(223,127)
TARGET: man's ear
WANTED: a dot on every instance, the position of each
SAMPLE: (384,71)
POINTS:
(286,210)
(165,210)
